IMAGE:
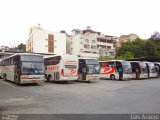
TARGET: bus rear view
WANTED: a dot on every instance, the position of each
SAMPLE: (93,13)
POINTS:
(89,69)
(61,67)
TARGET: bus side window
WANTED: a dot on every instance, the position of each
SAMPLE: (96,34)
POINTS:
(111,64)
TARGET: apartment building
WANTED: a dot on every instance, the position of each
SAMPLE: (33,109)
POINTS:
(126,38)
(89,43)
(43,41)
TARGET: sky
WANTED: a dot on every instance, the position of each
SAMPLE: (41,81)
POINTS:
(111,17)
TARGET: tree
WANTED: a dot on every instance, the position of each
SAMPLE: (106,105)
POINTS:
(127,55)
(63,31)
(155,37)
(139,48)
(21,48)
(104,58)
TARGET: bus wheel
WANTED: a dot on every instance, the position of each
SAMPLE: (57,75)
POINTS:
(112,77)
(16,80)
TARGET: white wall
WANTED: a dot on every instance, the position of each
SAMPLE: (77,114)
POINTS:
(40,44)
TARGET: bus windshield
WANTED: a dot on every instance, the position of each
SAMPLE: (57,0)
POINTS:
(93,66)
(127,69)
(93,69)
(144,69)
(92,61)
(31,68)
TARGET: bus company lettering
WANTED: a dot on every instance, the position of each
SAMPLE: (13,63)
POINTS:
(52,67)
(108,70)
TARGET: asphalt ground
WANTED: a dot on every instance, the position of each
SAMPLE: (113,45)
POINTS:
(98,97)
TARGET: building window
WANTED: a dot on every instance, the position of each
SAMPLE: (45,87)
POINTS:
(86,40)
(108,47)
(55,46)
(86,46)
(81,42)
(46,39)
(55,40)
(93,41)
(81,37)
(81,50)
(46,45)
(93,47)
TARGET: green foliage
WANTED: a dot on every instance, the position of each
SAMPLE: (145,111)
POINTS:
(104,58)
(155,37)
(139,48)
(127,55)
(21,48)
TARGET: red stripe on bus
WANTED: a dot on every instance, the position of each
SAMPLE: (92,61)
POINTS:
(72,71)
(108,71)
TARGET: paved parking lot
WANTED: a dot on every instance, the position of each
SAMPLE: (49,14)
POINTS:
(102,96)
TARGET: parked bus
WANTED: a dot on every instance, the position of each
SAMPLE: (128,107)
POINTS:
(89,69)
(23,68)
(139,69)
(115,69)
(152,70)
(61,67)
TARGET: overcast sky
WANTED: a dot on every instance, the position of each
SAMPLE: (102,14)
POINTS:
(111,17)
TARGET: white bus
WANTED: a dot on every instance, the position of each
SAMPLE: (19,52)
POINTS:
(115,69)
(61,67)
(89,69)
(152,70)
(23,68)
(139,69)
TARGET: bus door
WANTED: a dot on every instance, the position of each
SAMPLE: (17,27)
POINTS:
(82,70)
(17,69)
(119,69)
(148,70)
(136,69)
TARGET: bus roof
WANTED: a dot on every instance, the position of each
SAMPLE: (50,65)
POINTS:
(87,58)
(22,54)
(113,60)
(62,55)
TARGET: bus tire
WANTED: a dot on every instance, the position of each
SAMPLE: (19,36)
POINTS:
(16,80)
(112,77)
